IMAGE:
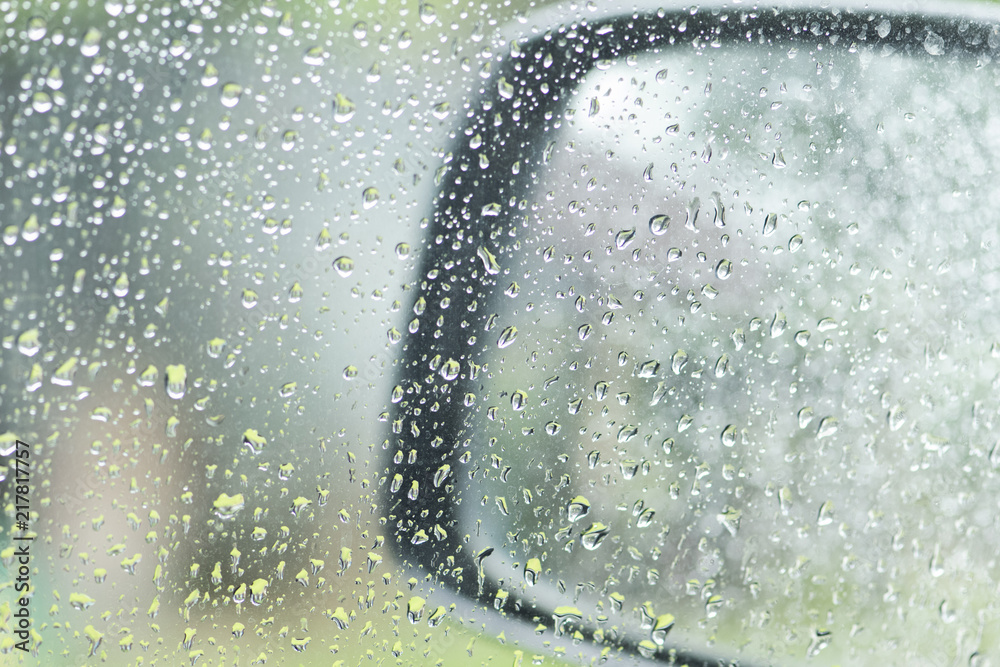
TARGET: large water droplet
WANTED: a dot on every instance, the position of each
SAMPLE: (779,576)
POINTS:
(661,626)
(532,571)
(226,507)
(427,13)
(934,43)
(254,441)
(230,94)
(176,380)
(344,266)
(343,109)
(578,508)
(507,337)
(770,224)
(624,238)
(594,535)
(450,369)
(28,343)
(37,28)
(658,224)
(489,261)
(678,361)
(91,43)
(415,609)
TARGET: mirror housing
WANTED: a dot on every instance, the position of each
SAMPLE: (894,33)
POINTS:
(476,212)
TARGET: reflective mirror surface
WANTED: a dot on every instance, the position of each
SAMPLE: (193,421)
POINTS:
(726,358)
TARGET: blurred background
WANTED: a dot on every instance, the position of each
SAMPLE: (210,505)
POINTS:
(211,216)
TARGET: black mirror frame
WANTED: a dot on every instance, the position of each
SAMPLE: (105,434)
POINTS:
(477,210)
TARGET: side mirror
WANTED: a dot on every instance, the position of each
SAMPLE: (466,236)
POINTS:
(703,360)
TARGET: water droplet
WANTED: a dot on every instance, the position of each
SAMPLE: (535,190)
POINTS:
(209,76)
(402,250)
(627,432)
(441,475)
(91,43)
(593,536)
(314,56)
(226,507)
(595,107)
(507,337)
(827,427)
(215,347)
(532,571)
(249,298)
(934,43)
(118,207)
(723,269)
(624,238)
(81,601)
(658,224)
(826,324)
(778,324)
(435,618)
(230,94)
(684,423)
(693,208)
(505,89)
(601,389)
(149,376)
(825,516)
(450,369)
(54,79)
(254,441)
(415,609)
(722,365)
(176,380)
(578,508)
(343,109)
(661,626)
(121,286)
(37,28)
(41,102)
(649,369)
(565,618)
(28,343)
(678,361)
(896,418)
(344,266)
(427,13)
(728,436)
(518,400)
(370,198)
(489,261)
(770,224)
